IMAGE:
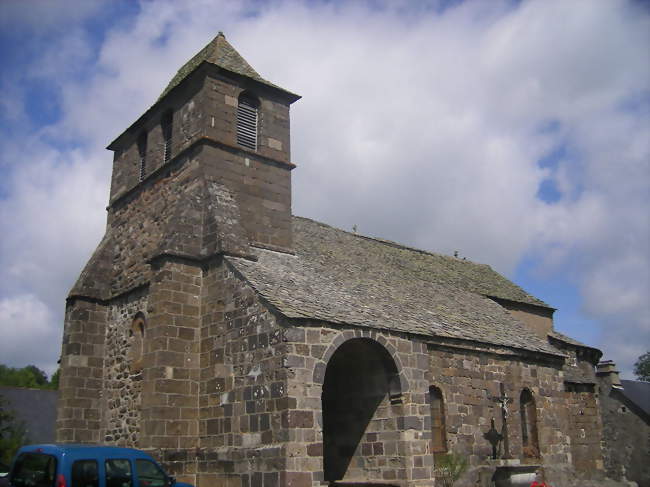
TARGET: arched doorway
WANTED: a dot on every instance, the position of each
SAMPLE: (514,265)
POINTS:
(361,382)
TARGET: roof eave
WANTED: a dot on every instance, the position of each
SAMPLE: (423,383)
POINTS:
(541,307)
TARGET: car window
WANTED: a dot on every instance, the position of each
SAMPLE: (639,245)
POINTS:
(84,474)
(34,470)
(149,474)
(118,473)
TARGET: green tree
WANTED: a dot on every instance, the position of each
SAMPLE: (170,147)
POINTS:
(54,380)
(642,367)
(12,433)
(30,376)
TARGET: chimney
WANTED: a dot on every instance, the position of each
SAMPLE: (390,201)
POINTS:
(607,370)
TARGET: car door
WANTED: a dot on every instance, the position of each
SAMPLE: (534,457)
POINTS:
(149,474)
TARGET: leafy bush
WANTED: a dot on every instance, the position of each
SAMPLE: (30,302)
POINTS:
(12,433)
(449,468)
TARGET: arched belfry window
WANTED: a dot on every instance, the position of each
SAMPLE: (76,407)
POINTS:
(438,424)
(142,153)
(528,412)
(167,123)
(136,338)
(247,119)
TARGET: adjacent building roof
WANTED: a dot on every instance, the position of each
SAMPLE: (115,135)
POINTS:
(345,278)
(39,421)
(638,392)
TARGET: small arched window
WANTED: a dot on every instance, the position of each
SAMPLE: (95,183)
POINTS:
(167,124)
(247,121)
(438,424)
(528,411)
(136,339)
(142,152)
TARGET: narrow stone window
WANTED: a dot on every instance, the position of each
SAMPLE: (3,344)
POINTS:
(136,338)
(438,430)
(247,121)
(528,413)
(142,152)
(167,124)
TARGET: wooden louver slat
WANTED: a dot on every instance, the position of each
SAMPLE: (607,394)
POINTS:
(247,125)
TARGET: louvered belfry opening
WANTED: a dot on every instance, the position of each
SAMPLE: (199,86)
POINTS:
(142,152)
(247,121)
(167,124)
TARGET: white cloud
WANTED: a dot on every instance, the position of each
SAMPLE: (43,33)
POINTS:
(420,127)
(27,331)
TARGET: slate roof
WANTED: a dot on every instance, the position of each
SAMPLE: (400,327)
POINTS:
(219,52)
(577,375)
(346,278)
(638,392)
(571,341)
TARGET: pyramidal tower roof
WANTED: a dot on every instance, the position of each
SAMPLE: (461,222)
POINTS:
(219,52)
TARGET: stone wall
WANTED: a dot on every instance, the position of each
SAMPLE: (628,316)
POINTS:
(232,394)
(122,381)
(536,318)
(220,97)
(170,371)
(82,369)
(263,190)
(187,128)
(626,434)
(470,380)
(243,391)
(394,449)
(583,410)
(584,428)
(138,224)
(205,114)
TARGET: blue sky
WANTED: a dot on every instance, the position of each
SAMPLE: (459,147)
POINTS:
(516,133)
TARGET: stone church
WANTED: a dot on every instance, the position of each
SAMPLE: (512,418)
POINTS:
(246,347)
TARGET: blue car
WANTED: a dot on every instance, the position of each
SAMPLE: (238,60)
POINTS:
(86,466)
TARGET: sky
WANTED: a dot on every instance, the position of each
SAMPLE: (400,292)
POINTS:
(514,132)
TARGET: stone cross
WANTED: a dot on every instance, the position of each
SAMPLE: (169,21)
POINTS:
(503,400)
(494,437)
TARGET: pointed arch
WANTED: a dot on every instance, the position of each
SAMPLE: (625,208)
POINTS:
(438,421)
(360,375)
(529,437)
(137,333)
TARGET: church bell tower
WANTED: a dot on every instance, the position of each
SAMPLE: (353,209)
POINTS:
(202,175)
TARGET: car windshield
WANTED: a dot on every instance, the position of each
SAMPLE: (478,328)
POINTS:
(34,470)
